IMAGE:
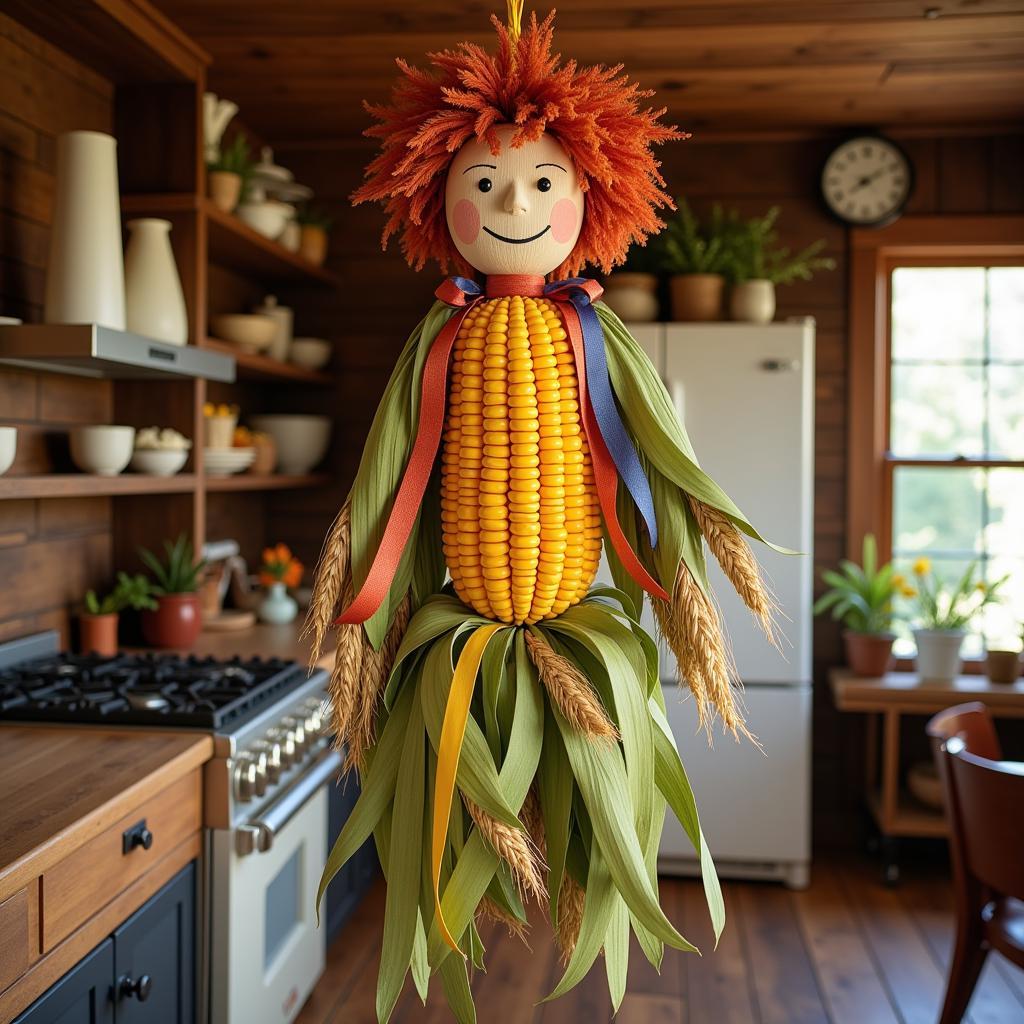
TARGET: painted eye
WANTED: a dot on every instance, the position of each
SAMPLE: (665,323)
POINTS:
(485,184)
(544,184)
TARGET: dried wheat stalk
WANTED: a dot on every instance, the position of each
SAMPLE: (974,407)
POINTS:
(345,677)
(733,554)
(571,898)
(513,846)
(569,689)
(488,909)
(331,573)
(533,820)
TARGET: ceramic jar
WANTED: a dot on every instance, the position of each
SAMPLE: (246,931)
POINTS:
(697,297)
(938,653)
(8,447)
(278,607)
(155,303)
(283,318)
(632,296)
(85,269)
(753,302)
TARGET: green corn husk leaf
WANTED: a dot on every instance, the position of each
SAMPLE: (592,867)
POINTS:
(404,869)
(419,965)
(455,980)
(554,787)
(428,568)
(616,953)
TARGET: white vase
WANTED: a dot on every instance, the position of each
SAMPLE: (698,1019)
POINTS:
(632,296)
(282,316)
(154,302)
(85,270)
(938,653)
(753,302)
(278,607)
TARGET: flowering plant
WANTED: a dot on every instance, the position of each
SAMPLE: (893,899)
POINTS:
(280,566)
(942,608)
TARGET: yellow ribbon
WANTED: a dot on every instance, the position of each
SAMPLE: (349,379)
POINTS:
(514,18)
(453,730)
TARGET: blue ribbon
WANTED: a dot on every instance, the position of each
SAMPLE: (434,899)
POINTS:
(606,410)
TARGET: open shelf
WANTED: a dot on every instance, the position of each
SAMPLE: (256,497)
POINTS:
(265,482)
(253,366)
(81,485)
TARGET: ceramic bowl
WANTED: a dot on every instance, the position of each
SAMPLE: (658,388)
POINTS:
(251,331)
(227,461)
(267,216)
(8,446)
(102,450)
(301,440)
(158,461)
(309,353)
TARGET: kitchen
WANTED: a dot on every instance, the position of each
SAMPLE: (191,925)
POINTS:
(179,795)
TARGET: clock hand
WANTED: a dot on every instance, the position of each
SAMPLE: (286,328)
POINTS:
(867,179)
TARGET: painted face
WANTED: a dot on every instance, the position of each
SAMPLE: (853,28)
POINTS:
(516,213)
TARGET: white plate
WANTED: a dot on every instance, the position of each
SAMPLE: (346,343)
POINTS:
(225,461)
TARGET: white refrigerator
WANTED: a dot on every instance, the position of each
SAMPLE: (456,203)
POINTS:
(746,395)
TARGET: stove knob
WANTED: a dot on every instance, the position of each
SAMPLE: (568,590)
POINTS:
(271,750)
(286,745)
(297,730)
(259,760)
(315,721)
(244,778)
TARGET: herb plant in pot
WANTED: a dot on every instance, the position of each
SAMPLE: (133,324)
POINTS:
(226,175)
(943,615)
(177,619)
(631,292)
(861,596)
(98,623)
(758,263)
(697,257)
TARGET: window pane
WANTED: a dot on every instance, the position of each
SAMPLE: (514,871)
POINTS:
(1004,533)
(1001,623)
(1006,312)
(1006,411)
(937,410)
(937,510)
(938,313)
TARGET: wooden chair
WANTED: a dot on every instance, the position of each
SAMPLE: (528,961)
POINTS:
(985,811)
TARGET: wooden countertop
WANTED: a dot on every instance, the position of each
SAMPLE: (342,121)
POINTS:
(60,787)
(906,692)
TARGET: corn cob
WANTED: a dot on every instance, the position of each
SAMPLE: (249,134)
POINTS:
(521,524)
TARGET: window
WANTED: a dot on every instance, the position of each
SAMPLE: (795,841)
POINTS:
(955,455)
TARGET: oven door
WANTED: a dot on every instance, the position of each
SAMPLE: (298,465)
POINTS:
(266,952)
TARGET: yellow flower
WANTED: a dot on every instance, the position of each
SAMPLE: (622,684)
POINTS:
(899,581)
(908,591)
(981,586)
(922,566)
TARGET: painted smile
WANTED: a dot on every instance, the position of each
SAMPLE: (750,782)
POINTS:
(517,241)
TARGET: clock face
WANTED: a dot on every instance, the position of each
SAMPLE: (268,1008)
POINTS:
(867,181)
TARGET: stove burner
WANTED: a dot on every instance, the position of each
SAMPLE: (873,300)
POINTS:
(144,689)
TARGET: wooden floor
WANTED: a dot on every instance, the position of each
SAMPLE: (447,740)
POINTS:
(846,951)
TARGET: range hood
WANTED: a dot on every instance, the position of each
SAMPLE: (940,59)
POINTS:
(89,350)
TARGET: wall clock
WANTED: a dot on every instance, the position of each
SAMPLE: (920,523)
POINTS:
(867,180)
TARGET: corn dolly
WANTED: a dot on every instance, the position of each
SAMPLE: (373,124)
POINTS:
(509,727)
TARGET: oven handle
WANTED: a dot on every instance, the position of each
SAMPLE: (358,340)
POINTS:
(258,835)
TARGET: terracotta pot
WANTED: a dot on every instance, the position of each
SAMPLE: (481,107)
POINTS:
(98,634)
(313,244)
(1002,666)
(225,189)
(697,297)
(868,654)
(753,302)
(632,296)
(175,623)
(266,454)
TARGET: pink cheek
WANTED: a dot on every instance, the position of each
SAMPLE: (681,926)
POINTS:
(466,221)
(564,218)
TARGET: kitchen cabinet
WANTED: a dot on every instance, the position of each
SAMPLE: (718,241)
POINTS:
(350,884)
(144,972)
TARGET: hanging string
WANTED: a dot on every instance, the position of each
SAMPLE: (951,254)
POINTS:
(515,18)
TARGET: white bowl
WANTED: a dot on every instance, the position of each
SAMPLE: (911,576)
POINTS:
(309,353)
(251,331)
(267,216)
(158,461)
(301,440)
(102,450)
(226,461)
(8,446)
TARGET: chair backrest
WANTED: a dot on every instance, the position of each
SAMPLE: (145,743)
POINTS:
(984,798)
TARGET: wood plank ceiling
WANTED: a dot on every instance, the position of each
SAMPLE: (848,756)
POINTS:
(300,70)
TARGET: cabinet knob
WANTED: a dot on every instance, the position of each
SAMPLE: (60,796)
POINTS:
(137,835)
(138,989)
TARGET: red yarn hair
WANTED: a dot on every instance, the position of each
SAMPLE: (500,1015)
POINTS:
(594,112)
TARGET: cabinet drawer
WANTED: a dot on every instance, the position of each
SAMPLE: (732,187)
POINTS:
(19,933)
(88,879)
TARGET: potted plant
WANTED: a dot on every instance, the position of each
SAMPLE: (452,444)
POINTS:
(99,622)
(176,620)
(757,263)
(861,597)
(697,257)
(314,224)
(226,175)
(280,569)
(631,291)
(943,615)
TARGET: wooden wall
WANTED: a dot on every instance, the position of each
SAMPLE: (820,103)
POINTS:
(52,550)
(384,300)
